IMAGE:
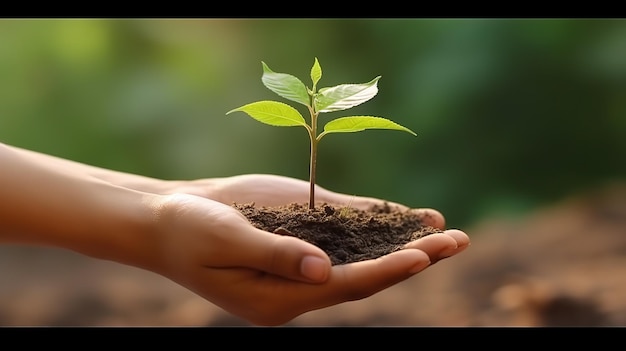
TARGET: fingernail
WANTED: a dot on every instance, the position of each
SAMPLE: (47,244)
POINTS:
(314,268)
(462,240)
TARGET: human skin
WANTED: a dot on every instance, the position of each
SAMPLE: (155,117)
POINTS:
(187,231)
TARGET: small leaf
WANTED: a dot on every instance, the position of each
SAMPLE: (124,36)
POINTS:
(273,113)
(360,123)
(316,73)
(345,96)
(285,85)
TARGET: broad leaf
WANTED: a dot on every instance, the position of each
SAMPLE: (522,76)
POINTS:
(345,96)
(273,113)
(285,85)
(316,73)
(360,123)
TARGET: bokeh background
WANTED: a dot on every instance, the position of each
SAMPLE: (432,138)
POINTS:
(511,114)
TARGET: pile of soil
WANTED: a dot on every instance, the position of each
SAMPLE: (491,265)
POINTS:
(346,234)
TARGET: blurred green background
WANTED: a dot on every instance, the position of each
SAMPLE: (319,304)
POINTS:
(510,114)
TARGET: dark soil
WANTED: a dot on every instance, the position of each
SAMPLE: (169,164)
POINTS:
(346,234)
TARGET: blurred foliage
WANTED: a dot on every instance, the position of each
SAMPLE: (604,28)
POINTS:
(510,114)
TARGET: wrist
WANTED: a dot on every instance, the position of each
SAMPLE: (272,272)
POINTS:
(52,202)
(124,228)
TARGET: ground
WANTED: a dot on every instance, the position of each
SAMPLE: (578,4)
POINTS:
(557,266)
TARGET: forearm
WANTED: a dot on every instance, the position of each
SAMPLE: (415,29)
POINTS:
(55,203)
(128,180)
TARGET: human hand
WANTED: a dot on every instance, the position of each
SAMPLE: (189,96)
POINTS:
(205,245)
(269,279)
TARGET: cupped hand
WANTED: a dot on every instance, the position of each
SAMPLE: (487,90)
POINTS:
(269,279)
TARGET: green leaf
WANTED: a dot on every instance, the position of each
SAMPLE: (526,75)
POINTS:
(273,113)
(285,85)
(316,73)
(345,96)
(360,123)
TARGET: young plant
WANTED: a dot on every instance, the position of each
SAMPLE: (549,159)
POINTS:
(331,99)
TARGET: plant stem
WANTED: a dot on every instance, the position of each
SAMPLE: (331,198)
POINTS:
(313,136)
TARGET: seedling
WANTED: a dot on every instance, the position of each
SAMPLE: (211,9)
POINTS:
(331,99)
(346,209)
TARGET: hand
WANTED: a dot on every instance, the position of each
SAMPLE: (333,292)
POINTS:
(189,232)
(269,279)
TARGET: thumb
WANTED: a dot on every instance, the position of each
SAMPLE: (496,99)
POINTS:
(288,257)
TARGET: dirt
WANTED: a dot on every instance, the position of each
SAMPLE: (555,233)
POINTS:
(346,234)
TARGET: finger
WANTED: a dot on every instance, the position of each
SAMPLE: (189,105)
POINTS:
(462,241)
(359,280)
(441,245)
(287,257)
(430,217)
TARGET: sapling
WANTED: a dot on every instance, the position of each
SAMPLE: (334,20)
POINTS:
(317,101)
